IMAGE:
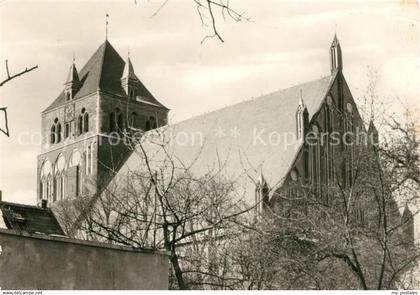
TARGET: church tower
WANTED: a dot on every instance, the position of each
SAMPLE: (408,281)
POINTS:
(84,127)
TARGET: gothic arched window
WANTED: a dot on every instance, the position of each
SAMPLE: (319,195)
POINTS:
(153,122)
(116,122)
(55,132)
(86,122)
(316,158)
(328,147)
(49,189)
(52,134)
(56,188)
(80,124)
(41,189)
(83,122)
(349,150)
(58,133)
(63,186)
(88,159)
(45,172)
(120,121)
(59,167)
(133,119)
(112,122)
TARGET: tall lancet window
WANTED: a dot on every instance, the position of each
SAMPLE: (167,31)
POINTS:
(52,134)
(83,122)
(315,158)
(86,122)
(348,144)
(55,132)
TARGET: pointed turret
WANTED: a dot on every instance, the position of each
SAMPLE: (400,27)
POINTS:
(261,180)
(336,60)
(129,79)
(128,70)
(72,82)
(261,193)
(302,105)
(302,118)
(73,76)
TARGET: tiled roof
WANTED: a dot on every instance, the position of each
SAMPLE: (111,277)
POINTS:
(230,135)
(28,218)
(103,71)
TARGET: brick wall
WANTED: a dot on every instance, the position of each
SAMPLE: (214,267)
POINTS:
(56,263)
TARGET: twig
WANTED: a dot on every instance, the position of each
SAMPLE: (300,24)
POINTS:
(15,75)
(160,8)
(4,109)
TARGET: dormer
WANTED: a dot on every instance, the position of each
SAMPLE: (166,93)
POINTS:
(129,80)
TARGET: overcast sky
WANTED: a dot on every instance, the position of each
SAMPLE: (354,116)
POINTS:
(286,43)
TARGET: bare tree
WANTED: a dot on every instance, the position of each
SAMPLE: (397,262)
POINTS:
(209,10)
(163,204)
(8,79)
(349,234)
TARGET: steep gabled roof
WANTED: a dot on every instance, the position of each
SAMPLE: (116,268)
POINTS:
(28,218)
(245,137)
(103,71)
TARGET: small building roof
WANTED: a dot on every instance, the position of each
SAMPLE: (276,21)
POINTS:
(30,219)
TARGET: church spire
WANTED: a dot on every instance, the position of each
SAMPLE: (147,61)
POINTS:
(336,59)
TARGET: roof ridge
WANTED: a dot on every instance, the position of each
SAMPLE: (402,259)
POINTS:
(21,205)
(102,63)
(256,98)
